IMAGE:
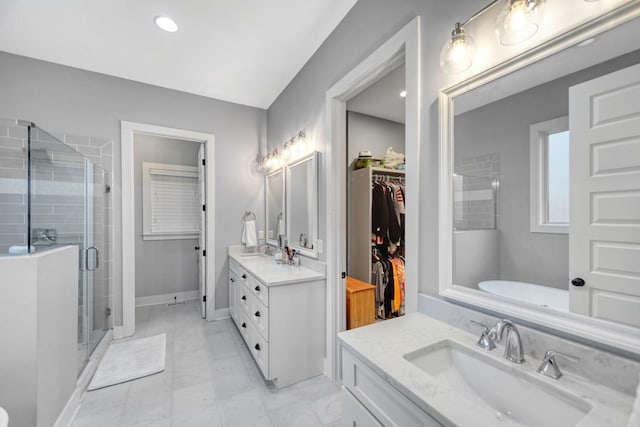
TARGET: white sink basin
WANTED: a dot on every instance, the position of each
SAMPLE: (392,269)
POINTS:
(507,394)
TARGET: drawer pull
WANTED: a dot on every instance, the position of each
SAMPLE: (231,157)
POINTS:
(244,277)
(257,314)
(257,288)
(244,325)
(257,347)
(244,298)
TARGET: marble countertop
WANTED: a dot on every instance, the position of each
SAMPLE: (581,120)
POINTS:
(382,347)
(270,273)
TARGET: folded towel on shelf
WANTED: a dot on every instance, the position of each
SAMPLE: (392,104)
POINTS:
(249,236)
(634,419)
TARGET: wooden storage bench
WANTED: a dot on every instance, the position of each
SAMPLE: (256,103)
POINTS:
(361,303)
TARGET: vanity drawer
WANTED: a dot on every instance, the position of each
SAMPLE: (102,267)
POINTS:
(259,290)
(354,414)
(386,404)
(259,348)
(244,326)
(259,315)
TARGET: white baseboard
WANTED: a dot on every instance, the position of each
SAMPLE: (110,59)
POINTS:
(167,298)
(221,313)
(68,414)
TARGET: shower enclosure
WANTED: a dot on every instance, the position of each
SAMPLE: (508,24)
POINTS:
(51,195)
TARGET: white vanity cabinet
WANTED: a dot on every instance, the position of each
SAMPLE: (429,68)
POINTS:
(280,313)
(369,400)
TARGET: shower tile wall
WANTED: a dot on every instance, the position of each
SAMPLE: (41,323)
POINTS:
(58,211)
(477,214)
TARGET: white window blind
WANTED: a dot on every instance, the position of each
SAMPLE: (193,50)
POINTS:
(171,202)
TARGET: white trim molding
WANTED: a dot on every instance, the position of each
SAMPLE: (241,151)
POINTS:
(128,132)
(404,46)
(606,334)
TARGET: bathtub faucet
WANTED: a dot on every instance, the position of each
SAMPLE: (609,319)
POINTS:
(513,350)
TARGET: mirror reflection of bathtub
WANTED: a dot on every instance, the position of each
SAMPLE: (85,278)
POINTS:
(544,296)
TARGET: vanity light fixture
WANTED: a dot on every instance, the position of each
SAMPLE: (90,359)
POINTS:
(518,21)
(457,53)
(294,148)
(403,94)
(166,23)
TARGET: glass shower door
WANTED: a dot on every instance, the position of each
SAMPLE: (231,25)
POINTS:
(95,254)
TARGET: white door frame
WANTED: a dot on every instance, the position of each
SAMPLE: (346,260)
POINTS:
(128,131)
(403,46)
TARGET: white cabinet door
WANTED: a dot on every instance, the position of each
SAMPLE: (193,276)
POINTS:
(604,237)
(354,414)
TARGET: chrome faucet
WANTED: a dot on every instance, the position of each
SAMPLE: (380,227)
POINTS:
(512,344)
(485,341)
(549,366)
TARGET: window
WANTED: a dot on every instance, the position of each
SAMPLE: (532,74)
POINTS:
(171,203)
(549,169)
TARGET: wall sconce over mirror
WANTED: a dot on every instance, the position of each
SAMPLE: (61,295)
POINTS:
(517,21)
(293,149)
(457,53)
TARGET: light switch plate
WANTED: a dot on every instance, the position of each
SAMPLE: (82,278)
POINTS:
(320,246)
(260,234)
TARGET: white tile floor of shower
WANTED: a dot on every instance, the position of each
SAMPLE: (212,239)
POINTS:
(210,379)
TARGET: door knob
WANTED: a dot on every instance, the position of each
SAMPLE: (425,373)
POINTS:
(197,248)
(578,282)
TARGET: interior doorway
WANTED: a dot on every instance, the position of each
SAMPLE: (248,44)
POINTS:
(184,197)
(376,197)
(403,47)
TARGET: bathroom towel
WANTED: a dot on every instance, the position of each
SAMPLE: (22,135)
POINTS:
(249,237)
(634,419)
(280,225)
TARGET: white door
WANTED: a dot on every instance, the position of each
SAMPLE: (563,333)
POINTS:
(604,242)
(202,269)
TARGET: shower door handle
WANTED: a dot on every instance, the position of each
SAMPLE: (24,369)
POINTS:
(96,257)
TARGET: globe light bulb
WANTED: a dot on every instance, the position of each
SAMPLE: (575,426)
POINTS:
(518,21)
(457,53)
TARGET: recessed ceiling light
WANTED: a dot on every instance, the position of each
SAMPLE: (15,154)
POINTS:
(403,94)
(166,24)
(586,42)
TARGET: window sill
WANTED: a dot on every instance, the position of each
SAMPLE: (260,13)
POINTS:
(550,228)
(170,236)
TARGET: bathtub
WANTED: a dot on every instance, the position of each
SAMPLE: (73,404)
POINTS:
(558,299)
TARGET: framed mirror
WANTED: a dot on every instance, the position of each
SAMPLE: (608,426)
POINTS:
(540,185)
(302,205)
(275,206)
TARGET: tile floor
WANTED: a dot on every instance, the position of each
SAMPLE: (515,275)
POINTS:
(210,380)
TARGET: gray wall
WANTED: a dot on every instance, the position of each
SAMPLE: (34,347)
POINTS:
(68,100)
(374,134)
(162,266)
(367,26)
(525,256)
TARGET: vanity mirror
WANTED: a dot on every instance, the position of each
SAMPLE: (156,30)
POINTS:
(275,206)
(540,191)
(302,205)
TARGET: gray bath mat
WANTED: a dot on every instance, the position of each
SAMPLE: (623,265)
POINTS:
(128,360)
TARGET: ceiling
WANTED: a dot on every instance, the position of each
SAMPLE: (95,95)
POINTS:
(239,51)
(382,99)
